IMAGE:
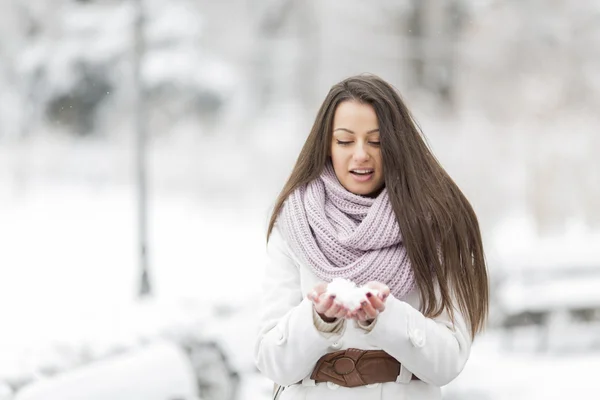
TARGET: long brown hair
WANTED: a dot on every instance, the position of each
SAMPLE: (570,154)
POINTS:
(439,227)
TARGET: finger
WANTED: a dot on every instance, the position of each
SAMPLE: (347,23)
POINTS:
(324,303)
(375,285)
(312,296)
(368,309)
(376,302)
(320,288)
(382,288)
(332,311)
(361,315)
(327,300)
(342,313)
(385,294)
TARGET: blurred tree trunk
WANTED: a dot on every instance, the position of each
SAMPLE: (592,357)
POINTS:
(592,185)
(434,26)
(144,288)
(271,22)
(308,63)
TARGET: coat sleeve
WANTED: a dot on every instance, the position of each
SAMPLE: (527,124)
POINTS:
(288,343)
(433,349)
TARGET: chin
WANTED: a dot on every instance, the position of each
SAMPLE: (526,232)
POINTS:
(361,191)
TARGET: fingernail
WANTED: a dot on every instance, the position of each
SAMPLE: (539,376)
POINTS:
(364,303)
(332,296)
(369,294)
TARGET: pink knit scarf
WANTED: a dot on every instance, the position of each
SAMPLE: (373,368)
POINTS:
(341,234)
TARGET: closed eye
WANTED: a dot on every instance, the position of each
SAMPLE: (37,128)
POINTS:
(375,143)
(342,143)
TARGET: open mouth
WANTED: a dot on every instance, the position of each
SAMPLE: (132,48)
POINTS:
(362,172)
(363,175)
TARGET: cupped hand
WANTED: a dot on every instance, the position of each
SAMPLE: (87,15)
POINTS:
(374,305)
(325,305)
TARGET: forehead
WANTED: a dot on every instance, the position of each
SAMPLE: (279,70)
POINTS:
(349,114)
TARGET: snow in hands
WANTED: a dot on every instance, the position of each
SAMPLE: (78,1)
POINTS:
(348,294)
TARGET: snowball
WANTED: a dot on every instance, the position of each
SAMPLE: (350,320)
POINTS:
(347,293)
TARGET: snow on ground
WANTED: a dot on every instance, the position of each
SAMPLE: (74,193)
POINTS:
(495,374)
(161,369)
(70,274)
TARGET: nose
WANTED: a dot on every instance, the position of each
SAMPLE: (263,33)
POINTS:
(360,153)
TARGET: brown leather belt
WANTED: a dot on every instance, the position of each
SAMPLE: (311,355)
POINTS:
(355,367)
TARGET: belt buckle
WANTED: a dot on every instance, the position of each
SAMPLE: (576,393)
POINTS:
(340,368)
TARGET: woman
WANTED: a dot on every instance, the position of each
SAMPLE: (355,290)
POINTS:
(368,201)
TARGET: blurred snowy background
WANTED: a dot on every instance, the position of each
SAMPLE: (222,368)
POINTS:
(208,103)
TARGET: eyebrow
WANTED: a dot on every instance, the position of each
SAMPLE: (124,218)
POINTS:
(349,131)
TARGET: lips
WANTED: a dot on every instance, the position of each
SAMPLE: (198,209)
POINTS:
(362,174)
(362,171)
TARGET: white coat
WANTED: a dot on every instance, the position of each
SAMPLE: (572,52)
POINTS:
(289,345)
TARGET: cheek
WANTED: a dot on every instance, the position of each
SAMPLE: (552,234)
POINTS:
(338,156)
(378,162)
(380,168)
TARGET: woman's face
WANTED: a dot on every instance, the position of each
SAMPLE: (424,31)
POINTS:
(355,151)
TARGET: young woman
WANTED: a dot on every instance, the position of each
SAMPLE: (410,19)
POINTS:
(367,201)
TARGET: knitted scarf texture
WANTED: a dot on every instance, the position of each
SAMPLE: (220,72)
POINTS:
(339,234)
